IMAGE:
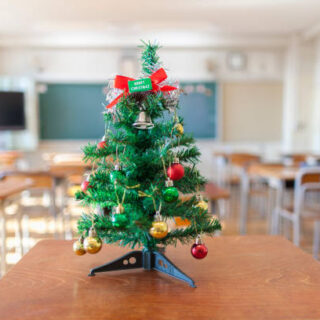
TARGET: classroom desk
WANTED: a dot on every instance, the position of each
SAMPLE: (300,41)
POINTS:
(212,192)
(276,175)
(9,187)
(243,277)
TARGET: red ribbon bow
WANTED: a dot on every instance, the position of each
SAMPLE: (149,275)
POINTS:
(121,82)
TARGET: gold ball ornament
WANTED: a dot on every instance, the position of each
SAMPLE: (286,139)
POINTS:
(92,244)
(159,229)
(202,205)
(78,248)
(178,129)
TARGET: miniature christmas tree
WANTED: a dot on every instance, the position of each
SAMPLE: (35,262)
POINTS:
(140,167)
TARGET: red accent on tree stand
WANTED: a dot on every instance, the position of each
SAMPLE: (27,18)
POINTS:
(85,185)
(101,145)
(199,251)
(175,171)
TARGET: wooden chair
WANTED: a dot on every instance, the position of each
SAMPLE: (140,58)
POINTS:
(243,159)
(231,166)
(8,159)
(10,190)
(71,185)
(295,158)
(44,184)
(216,196)
(308,179)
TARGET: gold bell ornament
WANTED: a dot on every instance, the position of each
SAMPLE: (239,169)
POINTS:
(143,121)
(159,228)
(178,129)
(92,244)
(78,248)
(203,205)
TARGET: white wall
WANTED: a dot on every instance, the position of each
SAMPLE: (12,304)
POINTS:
(100,64)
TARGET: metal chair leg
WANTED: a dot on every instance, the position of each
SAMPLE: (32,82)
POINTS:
(245,183)
(25,233)
(316,239)
(19,229)
(276,220)
(53,210)
(296,231)
(3,239)
(286,228)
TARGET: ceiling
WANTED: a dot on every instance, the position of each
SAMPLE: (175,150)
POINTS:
(253,18)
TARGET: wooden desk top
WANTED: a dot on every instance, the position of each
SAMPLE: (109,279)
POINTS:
(211,192)
(70,164)
(12,185)
(279,172)
(243,277)
(214,192)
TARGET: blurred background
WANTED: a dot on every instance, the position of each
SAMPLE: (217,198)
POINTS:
(250,70)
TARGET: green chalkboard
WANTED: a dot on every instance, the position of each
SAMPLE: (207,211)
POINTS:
(199,108)
(74,111)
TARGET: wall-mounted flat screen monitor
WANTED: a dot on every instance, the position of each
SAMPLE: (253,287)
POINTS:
(12,116)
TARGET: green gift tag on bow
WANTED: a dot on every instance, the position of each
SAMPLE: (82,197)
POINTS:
(140,85)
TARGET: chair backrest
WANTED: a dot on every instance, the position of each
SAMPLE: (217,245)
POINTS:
(41,179)
(67,158)
(306,179)
(66,170)
(9,158)
(243,159)
(295,158)
(10,186)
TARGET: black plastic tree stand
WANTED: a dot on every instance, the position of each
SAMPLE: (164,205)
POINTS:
(147,260)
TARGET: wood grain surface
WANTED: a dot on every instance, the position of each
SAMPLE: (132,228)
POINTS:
(249,277)
(212,192)
(274,172)
(12,185)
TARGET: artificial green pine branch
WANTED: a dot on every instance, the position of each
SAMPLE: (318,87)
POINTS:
(144,156)
(149,57)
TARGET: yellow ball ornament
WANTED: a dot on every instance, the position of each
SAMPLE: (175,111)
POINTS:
(78,248)
(92,244)
(203,205)
(178,129)
(159,228)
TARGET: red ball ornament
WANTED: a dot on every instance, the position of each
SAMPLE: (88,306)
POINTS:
(175,171)
(199,250)
(101,145)
(85,185)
